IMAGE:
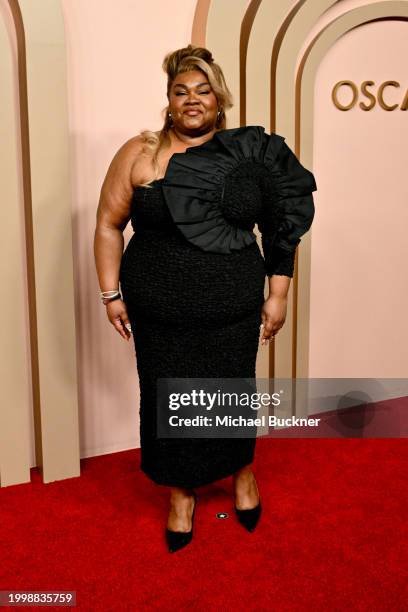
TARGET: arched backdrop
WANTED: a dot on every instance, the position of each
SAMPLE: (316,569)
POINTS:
(71,95)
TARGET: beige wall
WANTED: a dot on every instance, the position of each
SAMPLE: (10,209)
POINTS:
(359,292)
(104,85)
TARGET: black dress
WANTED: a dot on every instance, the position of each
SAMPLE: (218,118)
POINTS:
(193,277)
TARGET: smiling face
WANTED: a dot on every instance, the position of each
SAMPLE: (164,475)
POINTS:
(192,103)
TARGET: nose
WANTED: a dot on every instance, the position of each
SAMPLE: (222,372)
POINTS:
(192,98)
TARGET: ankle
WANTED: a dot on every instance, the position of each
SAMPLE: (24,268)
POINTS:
(246,490)
(181,513)
(246,478)
(177,494)
(244,473)
(181,499)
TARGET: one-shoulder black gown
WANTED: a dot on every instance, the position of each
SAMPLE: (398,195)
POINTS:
(193,278)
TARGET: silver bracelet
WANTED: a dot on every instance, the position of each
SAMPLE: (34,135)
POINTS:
(111,299)
(107,296)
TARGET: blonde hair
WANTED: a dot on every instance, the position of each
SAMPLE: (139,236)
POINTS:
(184,60)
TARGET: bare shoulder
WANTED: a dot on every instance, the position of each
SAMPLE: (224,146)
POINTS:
(117,187)
(133,161)
(130,165)
(143,165)
(126,156)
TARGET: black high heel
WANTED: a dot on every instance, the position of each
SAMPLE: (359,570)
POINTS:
(178,539)
(249,518)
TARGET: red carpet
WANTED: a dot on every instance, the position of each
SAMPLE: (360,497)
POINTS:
(333,534)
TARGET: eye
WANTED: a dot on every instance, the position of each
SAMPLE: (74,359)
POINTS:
(200,93)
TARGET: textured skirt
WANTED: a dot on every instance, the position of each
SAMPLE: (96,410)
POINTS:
(194,314)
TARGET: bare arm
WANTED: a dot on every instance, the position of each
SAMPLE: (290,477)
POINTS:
(112,216)
(279,285)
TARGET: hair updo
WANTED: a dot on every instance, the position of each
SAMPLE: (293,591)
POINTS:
(184,60)
(173,62)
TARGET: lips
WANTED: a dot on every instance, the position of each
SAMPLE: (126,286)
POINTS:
(192,113)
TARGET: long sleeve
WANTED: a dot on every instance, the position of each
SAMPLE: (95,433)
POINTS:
(287,210)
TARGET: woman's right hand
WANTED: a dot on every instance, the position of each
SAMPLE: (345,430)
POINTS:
(117,315)
(273,316)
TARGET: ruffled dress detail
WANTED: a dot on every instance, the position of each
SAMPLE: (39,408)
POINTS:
(193,189)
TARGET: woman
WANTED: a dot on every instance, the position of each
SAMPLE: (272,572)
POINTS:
(192,276)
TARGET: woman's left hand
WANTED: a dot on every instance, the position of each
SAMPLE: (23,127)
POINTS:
(273,316)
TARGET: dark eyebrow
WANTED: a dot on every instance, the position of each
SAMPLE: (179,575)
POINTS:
(199,84)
